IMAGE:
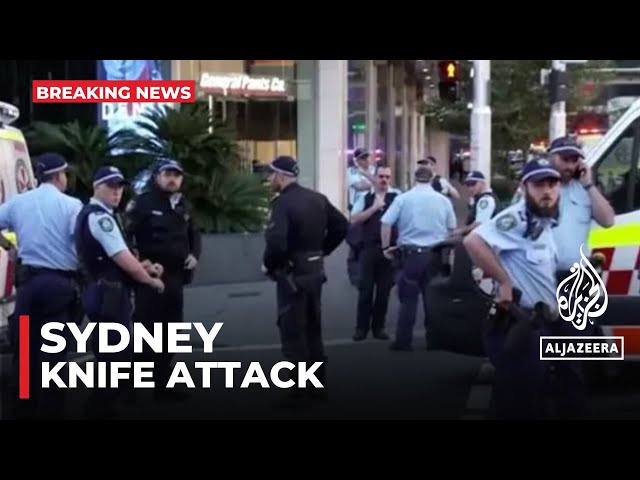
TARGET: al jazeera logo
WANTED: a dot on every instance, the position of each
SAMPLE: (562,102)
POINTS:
(582,297)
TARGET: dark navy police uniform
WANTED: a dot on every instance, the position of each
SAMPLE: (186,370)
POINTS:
(47,289)
(160,226)
(376,271)
(304,227)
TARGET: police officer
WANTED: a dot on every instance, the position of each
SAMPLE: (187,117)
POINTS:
(482,204)
(304,227)
(43,219)
(111,270)
(423,218)
(376,271)
(517,250)
(161,228)
(439,183)
(580,202)
(360,180)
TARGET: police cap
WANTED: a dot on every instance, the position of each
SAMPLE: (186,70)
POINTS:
(360,153)
(49,163)
(169,164)
(566,146)
(285,165)
(109,175)
(474,176)
(538,169)
(428,161)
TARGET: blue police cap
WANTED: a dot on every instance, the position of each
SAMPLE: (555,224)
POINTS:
(168,164)
(475,176)
(112,176)
(428,161)
(360,153)
(49,163)
(566,146)
(285,165)
(538,169)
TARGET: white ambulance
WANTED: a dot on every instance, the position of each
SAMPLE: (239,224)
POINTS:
(615,163)
(16,176)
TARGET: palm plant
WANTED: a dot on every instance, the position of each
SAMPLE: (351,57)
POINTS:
(85,148)
(226,198)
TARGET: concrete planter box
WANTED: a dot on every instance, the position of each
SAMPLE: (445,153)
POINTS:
(230,258)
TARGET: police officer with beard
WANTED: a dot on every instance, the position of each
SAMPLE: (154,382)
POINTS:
(111,271)
(580,203)
(160,226)
(303,229)
(517,250)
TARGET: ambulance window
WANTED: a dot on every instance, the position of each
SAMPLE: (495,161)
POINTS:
(616,178)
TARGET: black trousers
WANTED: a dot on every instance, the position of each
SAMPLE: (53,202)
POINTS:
(300,324)
(376,282)
(166,307)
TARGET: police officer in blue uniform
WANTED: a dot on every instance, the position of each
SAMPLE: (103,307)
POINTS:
(517,250)
(111,270)
(43,219)
(580,203)
(303,229)
(483,203)
(423,218)
(376,271)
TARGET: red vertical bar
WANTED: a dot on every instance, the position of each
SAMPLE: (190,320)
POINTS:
(24,357)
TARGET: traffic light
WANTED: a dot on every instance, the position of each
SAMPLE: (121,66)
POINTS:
(448,86)
(558,86)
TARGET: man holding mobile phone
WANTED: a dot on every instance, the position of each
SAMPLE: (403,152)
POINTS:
(580,202)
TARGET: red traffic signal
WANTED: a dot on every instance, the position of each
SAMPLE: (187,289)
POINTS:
(448,70)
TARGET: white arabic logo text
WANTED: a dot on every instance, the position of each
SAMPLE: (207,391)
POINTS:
(578,294)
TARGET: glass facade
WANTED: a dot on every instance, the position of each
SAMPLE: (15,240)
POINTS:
(269,104)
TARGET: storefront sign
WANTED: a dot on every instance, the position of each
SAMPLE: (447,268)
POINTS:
(241,84)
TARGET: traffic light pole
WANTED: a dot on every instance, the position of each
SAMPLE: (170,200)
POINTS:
(558,119)
(481,118)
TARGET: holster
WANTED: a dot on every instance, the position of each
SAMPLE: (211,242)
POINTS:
(111,298)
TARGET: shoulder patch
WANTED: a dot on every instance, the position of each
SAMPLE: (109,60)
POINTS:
(506,222)
(483,203)
(106,224)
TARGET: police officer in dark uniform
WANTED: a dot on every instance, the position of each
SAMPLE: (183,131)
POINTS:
(47,289)
(376,271)
(111,271)
(304,228)
(161,228)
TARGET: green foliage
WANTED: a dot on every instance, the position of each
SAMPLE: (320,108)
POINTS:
(226,198)
(519,103)
(85,148)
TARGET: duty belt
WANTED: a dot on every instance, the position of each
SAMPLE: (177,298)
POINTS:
(414,249)
(304,263)
(31,271)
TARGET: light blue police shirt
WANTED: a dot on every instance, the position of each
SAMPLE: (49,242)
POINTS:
(574,223)
(358,207)
(44,220)
(423,216)
(485,208)
(531,264)
(354,176)
(104,228)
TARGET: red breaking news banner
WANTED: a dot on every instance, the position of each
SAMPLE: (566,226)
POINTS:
(112,91)
(23,356)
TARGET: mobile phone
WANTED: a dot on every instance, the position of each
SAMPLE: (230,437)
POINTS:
(578,173)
